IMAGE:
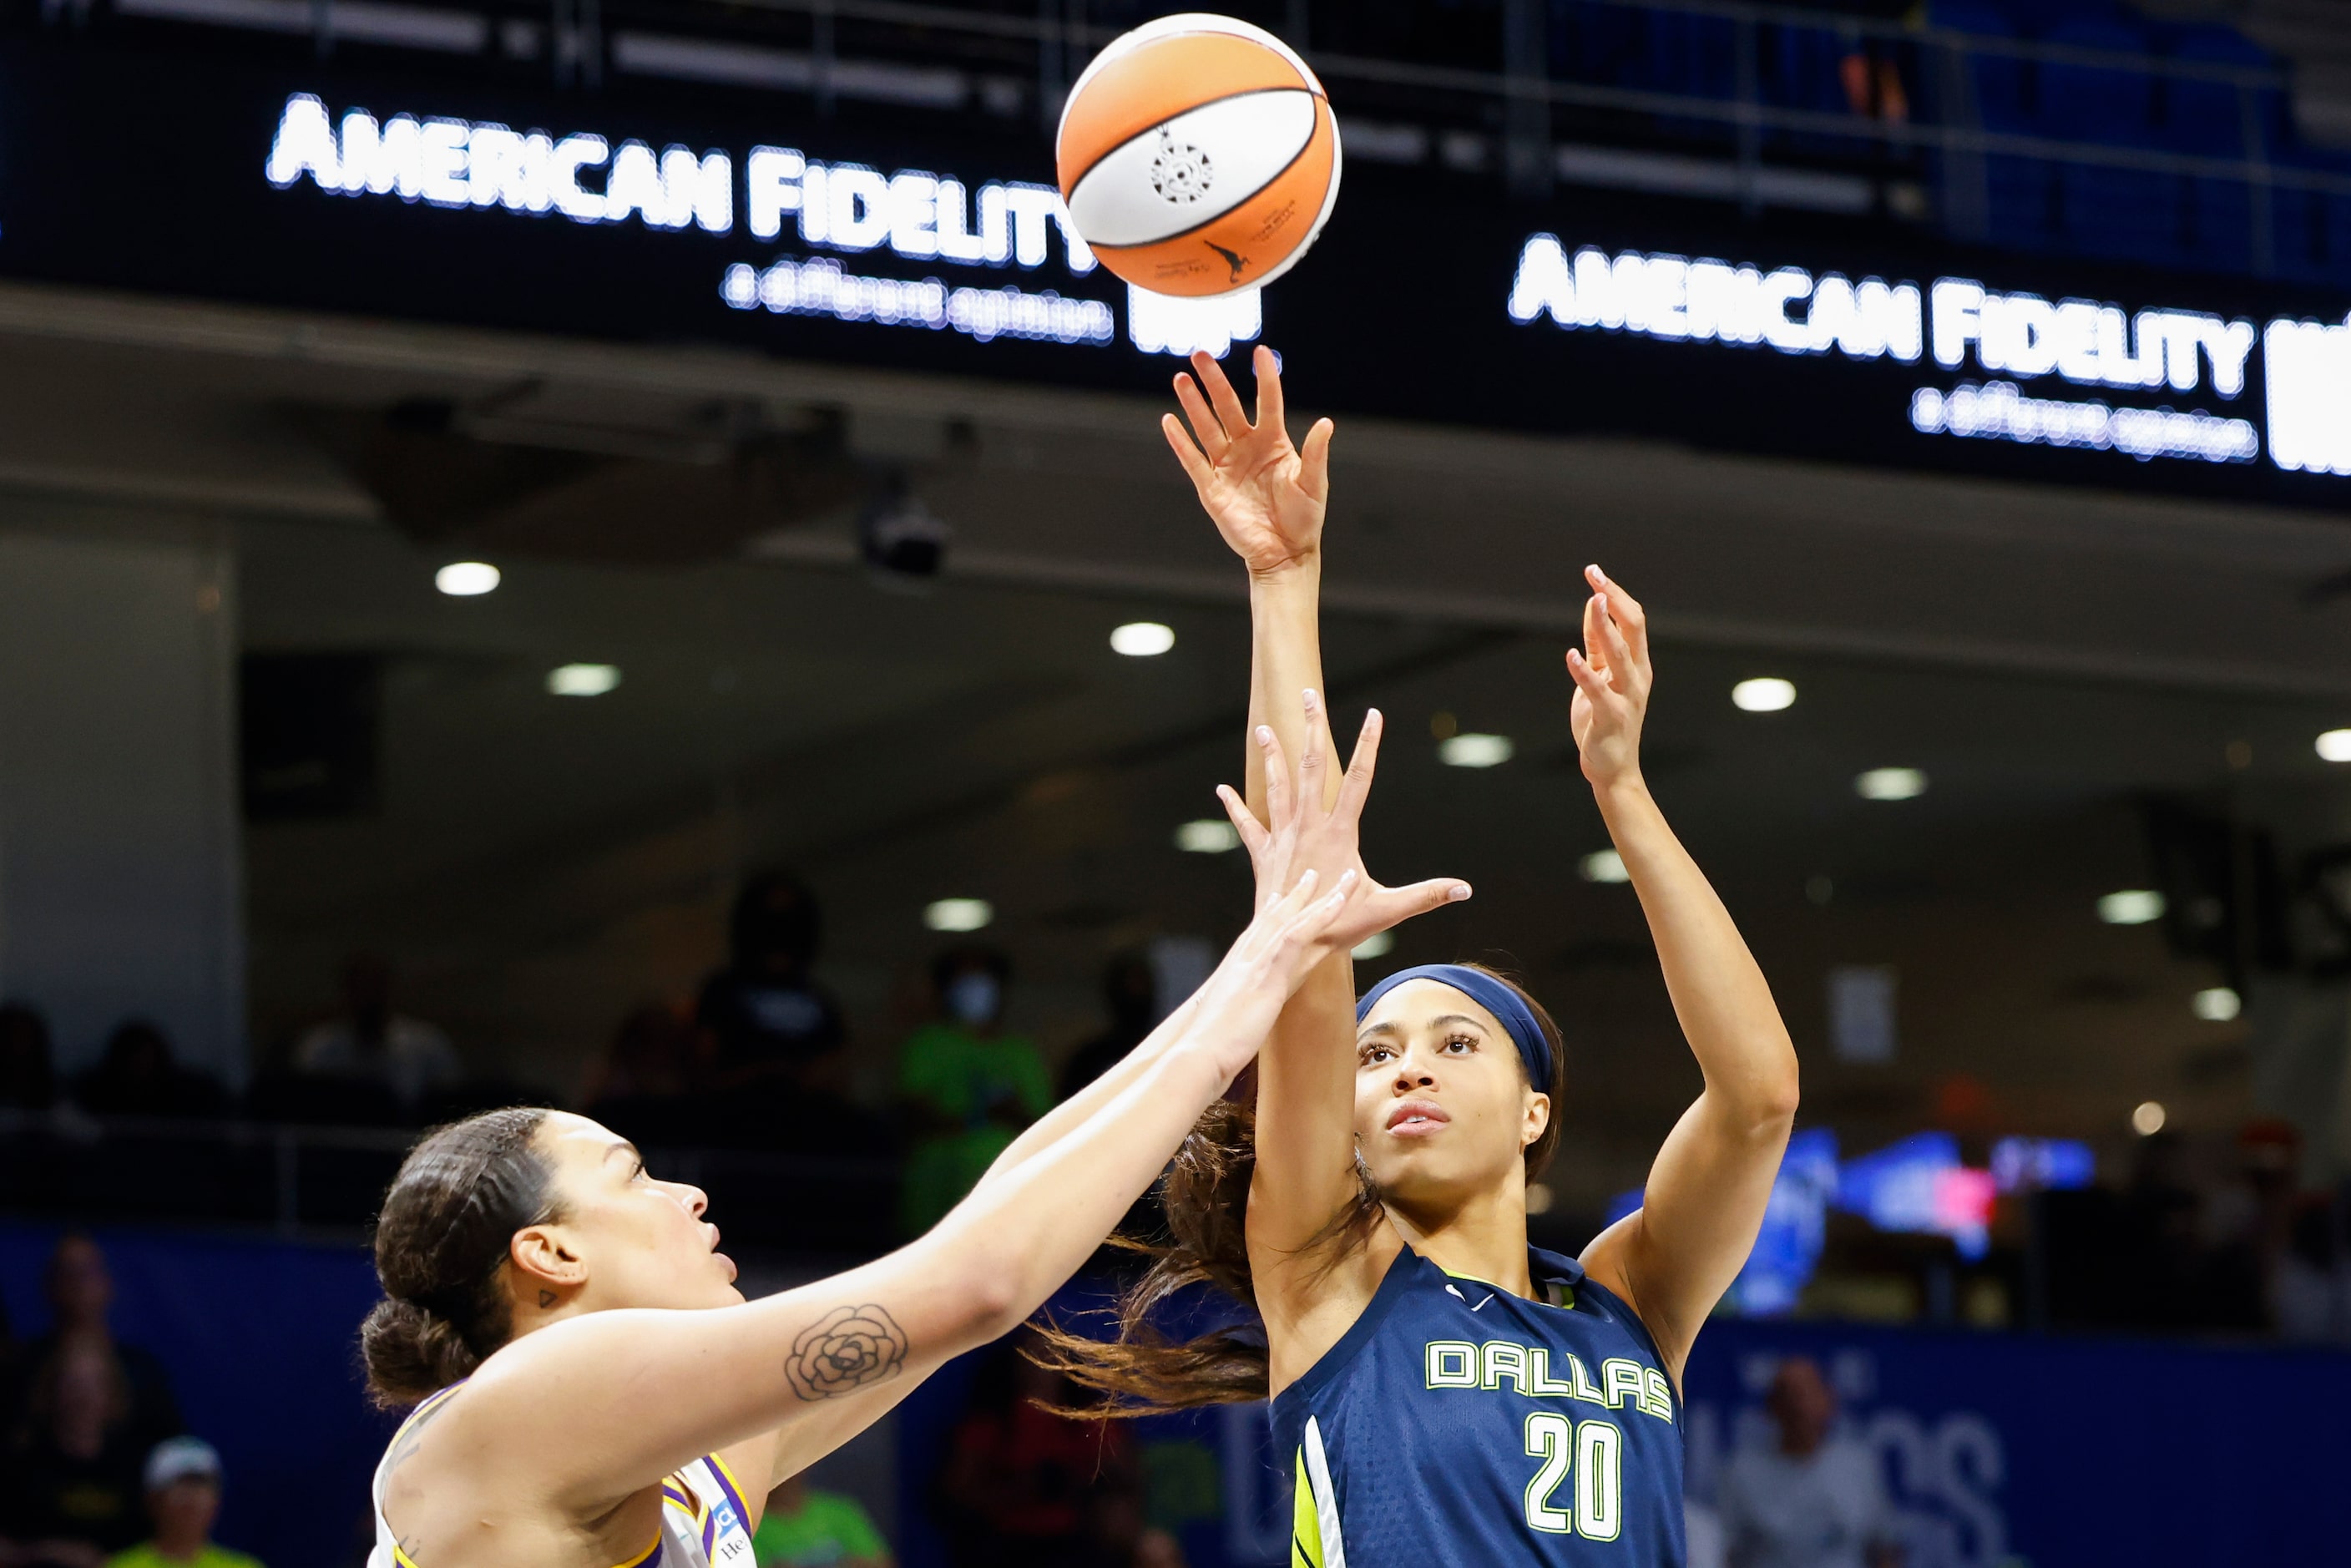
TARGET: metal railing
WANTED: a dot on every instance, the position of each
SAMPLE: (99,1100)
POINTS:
(327,1182)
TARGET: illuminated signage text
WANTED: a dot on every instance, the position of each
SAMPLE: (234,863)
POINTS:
(2009,338)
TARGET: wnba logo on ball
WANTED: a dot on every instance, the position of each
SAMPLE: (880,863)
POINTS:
(1181,173)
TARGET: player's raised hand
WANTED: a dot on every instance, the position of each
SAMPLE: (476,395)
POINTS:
(1290,935)
(1265,497)
(1303,833)
(1611,683)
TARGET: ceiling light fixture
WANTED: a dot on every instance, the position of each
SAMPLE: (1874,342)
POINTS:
(1208,836)
(1142,639)
(958,915)
(1890,784)
(1474,751)
(1764,694)
(2132,906)
(2219,1004)
(466,579)
(1603,865)
(583,680)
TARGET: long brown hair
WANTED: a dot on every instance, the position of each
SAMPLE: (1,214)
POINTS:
(1143,1371)
(441,1250)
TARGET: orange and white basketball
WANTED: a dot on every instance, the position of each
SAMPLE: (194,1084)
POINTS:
(1198,156)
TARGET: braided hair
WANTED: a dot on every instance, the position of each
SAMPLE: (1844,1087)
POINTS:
(440,1249)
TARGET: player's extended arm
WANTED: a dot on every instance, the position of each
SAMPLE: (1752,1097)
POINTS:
(636,1394)
(1267,499)
(1674,1257)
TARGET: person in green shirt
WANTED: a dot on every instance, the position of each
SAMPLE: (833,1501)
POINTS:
(183,1494)
(806,1528)
(967,1087)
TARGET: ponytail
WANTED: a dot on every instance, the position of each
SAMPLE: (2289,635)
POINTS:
(441,1250)
(1206,1196)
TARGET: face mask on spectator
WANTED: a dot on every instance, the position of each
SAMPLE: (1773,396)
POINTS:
(972,999)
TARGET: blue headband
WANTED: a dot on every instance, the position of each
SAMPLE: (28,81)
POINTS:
(1508,1007)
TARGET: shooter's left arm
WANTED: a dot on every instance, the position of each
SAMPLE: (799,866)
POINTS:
(1674,1257)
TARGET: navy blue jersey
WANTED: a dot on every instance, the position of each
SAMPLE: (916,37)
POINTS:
(1457,1424)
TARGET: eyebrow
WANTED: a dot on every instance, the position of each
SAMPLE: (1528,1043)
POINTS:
(625,1148)
(1391,1027)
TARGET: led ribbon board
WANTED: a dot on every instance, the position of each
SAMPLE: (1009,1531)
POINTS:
(930,242)
(780,193)
(2073,372)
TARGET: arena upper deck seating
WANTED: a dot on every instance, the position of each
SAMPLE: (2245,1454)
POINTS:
(2110,79)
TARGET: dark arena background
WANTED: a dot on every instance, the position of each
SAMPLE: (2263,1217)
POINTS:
(447,595)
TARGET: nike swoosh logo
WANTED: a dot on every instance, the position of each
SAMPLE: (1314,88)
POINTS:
(1480,1306)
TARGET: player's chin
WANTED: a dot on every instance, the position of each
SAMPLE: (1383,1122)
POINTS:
(1412,1173)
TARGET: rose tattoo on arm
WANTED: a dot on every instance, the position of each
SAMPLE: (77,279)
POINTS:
(847,1349)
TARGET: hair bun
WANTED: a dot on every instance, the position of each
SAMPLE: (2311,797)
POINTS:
(412,1352)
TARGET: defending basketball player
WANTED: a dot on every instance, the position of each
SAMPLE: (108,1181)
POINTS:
(594,1391)
(1451,1396)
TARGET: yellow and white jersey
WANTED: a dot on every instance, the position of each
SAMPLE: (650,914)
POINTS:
(704,1521)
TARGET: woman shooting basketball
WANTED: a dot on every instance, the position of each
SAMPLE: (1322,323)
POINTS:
(593,1385)
(1451,1396)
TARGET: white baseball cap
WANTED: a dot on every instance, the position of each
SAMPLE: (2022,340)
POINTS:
(182,1459)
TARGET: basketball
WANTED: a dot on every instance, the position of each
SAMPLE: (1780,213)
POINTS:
(1198,156)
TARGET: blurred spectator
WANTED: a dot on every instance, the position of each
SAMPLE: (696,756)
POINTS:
(2246,1226)
(1813,1500)
(371,1041)
(639,1086)
(29,1080)
(70,1485)
(1130,992)
(1159,1549)
(652,1058)
(965,1087)
(767,1017)
(805,1527)
(182,1479)
(1028,1487)
(80,1290)
(2313,1289)
(138,1077)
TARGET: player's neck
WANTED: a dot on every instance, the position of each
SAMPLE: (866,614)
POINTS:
(1484,1238)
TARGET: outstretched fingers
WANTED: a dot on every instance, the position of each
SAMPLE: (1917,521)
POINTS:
(1270,413)
(1622,673)
(1214,437)
(1221,396)
(1197,467)
(1280,804)
(1594,683)
(1303,925)
(1254,836)
(1394,906)
(1355,788)
(1595,650)
(1314,461)
(1311,764)
(1624,609)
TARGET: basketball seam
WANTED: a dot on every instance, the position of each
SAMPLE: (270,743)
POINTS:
(1308,80)
(1195,109)
(1209,222)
